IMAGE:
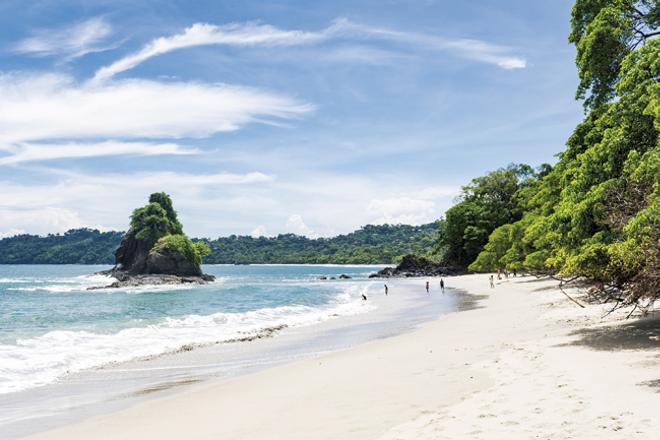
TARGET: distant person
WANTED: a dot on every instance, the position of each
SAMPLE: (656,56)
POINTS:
(492,282)
(364,297)
(386,289)
(499,274)
(442,285)
(514,273)
(427,287)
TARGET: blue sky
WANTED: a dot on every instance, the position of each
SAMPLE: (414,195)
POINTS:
(263,117)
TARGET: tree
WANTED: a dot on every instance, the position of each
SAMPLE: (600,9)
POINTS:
(604,33)
(155,220)
(486,203)
(596,214)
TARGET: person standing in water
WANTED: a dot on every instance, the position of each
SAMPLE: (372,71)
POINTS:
(386,289)
(442,285)
(492,283)
(427,287)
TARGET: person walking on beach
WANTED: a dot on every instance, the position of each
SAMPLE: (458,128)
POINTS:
(427,287)
(492,283)
(442,285)
(386,289)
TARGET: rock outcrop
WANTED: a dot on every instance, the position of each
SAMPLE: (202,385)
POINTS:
(131,255)
(414,266)
(155,250)
(163,260)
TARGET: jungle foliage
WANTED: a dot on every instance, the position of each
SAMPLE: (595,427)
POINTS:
(370,244)
(596,214)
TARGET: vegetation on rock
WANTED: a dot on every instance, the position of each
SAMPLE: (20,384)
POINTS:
(183,245)
(155,243)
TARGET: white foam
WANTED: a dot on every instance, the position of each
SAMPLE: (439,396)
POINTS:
(13,280)
(42,360)
(62,285)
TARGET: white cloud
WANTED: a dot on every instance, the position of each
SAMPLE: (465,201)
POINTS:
(75,200)
(417,208)
(225,203)
(253,34)
(52,106)
(200,34)
(82,189)
(39,152)
(402,210)
(259,231)
(11,232)
(45,219)
(71,41)
(296,225)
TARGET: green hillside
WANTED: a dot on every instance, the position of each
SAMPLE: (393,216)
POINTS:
(370,244)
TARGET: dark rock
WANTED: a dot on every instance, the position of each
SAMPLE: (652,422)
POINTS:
(131,255)
(414,266)
(344,277)
(126,280)
(163,261)
(323,278)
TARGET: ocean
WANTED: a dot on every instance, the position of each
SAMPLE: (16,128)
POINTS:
(61,344)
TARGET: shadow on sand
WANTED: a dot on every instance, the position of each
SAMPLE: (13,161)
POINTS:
(640,334)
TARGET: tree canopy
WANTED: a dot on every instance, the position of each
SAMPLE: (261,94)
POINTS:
(370,244)
(605,32)
(484,204)
(597,213)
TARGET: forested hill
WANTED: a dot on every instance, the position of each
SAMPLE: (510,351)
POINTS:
(368,245)
(82,246)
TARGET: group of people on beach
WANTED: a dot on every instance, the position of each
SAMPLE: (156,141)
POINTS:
(442,286)
(428,289)
(501,273)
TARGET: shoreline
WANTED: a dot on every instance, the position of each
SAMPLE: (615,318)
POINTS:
(524,362)
(118,385)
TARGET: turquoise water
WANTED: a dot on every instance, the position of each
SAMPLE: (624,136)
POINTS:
(51,325)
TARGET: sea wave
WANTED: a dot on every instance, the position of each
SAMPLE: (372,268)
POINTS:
(62,284)
(41,360)
(14,280)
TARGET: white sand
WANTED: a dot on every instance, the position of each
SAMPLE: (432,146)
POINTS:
(503,371)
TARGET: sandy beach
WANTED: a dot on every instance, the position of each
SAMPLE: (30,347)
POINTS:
(527,363)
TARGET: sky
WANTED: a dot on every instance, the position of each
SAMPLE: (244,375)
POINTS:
(268,117)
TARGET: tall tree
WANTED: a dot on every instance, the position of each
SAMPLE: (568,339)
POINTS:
(604,33)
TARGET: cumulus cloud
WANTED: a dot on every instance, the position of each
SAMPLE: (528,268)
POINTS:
(402,210)
(418,209)
(255,34)
(72,200)
(296,225)
(72,41)
(259,231)
(46,219)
